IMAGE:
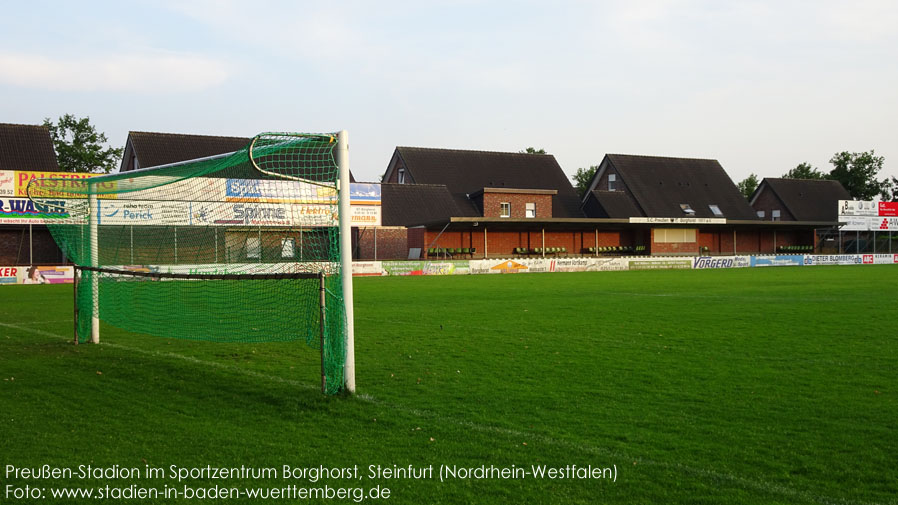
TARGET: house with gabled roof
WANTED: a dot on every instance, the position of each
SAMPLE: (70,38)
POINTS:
(686,206)
(798,199)
(153,149)
(27,147)
(484,203)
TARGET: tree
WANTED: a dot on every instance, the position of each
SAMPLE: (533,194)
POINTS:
(889,191)
(532,150)
(805,171)
(857,173)
(80,148)
(748,185)
(583,177)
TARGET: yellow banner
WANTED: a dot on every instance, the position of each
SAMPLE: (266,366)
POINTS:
(22,178)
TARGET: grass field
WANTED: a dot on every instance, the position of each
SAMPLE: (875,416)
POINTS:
(733,386)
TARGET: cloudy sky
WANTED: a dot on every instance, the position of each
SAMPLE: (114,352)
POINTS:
(759,85)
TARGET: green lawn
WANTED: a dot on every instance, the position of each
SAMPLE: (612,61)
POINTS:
(763,385)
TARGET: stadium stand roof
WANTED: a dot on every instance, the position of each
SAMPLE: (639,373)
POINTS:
(803,199)
(670,187)
(416,204)
(465,172)
(27,147)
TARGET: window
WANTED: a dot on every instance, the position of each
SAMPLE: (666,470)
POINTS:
(253,248)
(530,210)
(401,176)
(288,247)
(687,209)
(505,209)
(674,235)
(761,214)
(611,180)
(715,210)
(775,215)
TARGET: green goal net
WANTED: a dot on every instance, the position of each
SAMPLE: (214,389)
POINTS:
(242,247)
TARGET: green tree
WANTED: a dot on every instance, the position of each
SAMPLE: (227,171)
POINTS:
(80,147)
(889,191)
(857,173)
(805,171)
(583,177)
(748,185)
(533,150)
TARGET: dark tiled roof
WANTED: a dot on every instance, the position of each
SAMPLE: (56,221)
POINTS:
(809,200)
(660,185)
(465,172)
(415,204)
(615,205)
(26,147)
(154,149)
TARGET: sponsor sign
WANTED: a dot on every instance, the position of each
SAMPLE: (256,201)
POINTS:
(426,267)
(367,268)
(705,262)
(777,261)
(888,209)
(61,180)
(363,193)
(855,223)
(509,267)
(659,263)
(886,223)
(9,275)
(258,214)
(37,275)
(23,210)
(275,191)
(7,183)
(857,208)
(678,220)
(137,212)
(365,215)
(834,259)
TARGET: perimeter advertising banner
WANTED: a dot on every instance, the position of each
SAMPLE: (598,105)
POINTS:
(37,275)
(7,183)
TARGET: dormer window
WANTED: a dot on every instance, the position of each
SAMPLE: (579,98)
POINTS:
(715,210)
(611,180)
(687,209)
(401,176)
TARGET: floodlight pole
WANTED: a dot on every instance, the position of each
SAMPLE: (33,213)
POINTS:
(93,218)
(346,257)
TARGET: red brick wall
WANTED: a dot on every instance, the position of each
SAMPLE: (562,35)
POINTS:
(392,243)
(518,203)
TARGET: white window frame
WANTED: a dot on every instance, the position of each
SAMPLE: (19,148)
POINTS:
(612,178)
(504,209)
(775,215)
(401,176)
(530,210)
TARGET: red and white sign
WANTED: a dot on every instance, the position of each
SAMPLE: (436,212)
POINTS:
(887,224)
(888,208)
(868,259)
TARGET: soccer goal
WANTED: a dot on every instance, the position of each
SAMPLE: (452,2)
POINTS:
(249,246)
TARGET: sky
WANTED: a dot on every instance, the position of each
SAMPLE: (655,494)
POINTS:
(759,85)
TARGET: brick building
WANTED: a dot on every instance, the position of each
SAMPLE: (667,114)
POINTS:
(24,148)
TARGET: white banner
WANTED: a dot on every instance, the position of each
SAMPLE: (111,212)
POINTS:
(7,183)
(139,212)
